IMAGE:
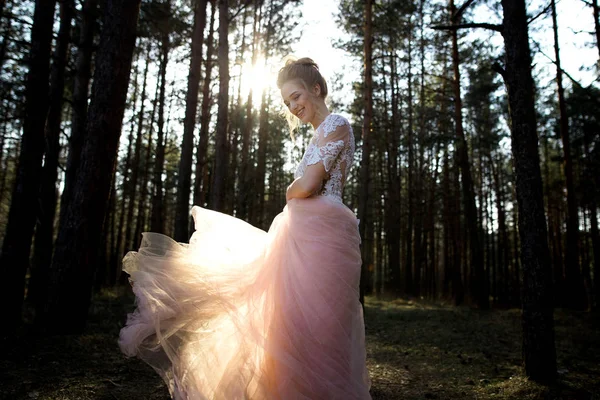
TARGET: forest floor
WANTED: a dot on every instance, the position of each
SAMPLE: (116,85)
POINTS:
(416,350)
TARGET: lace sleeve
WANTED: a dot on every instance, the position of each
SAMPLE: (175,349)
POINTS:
(330,143)
(326,154)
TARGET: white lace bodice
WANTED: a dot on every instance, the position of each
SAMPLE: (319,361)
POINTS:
(333,145)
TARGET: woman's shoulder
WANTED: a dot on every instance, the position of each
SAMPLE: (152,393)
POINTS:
(338,118)
(334,121)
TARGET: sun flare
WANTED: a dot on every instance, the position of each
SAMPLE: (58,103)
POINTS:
(257,78)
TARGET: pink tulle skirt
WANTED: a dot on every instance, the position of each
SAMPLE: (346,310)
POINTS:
(239,313)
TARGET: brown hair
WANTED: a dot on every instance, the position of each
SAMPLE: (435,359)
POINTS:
(304,70)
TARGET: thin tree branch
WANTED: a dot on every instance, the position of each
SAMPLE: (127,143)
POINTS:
(493,27)
(239,10)
(499,69)
(544,11)
(539,48)
(462,9)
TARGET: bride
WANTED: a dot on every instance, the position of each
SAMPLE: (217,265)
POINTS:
(239,313)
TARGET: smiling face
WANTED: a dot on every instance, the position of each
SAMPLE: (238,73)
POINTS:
(299,100)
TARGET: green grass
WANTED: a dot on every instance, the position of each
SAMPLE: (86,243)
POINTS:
(416,350)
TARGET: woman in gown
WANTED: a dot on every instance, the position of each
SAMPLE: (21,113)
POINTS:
(239,313)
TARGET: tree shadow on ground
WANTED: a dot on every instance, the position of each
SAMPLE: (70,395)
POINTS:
(415,350)
(418,350)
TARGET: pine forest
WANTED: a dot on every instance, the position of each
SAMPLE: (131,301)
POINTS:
(476,179)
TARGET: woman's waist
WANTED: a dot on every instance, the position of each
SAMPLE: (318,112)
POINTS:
(324,206)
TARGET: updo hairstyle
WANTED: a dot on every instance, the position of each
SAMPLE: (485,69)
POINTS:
(304,70)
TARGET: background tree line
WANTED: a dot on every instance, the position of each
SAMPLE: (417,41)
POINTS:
(473,183)
(76,191)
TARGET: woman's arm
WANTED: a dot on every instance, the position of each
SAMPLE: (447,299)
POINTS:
(308,184)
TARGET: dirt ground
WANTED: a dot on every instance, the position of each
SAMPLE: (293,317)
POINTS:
(415,350)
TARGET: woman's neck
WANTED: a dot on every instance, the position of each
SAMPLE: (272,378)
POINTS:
(320,115)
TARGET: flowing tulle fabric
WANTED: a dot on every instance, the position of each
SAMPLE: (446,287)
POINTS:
(240,313)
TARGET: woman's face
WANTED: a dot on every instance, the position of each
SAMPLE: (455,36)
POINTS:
(299,100)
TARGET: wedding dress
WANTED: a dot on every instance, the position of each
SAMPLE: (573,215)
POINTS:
(239,313)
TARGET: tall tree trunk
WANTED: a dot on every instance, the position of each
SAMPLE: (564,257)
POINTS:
(118,250)
(158,213)
(575,292)
(596,11)
(538,322)
(221,154)
(478,284)
(503,242)
(44,233)
(245,171)
(112,229)
(140,224)
(458,237)
(184,181)
(556,258)
(233,139)
(593,207)
(201,165)
(16,247)
(447,265)
(366,145)
(5,21)
(596,252)
(394,209)
(4,148)
(258,207)
(129,228)
(420,233)
(79,237)
(410,226)
(79,105)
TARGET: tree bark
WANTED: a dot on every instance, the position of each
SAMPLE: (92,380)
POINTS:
(366,145)
(409,283)
(157,223)
(221,151)
(184,182)
(422,224)
(503,243)
(257,211)
(538,322)
(4,149)
(129,228)
(596,11)
(596,252)
(79,238)
(575,293)
(140,224)
(6,21)
(516,298)
(44,232)
(79,106)
(478,284)
(118,250)
(245,170)
(201,170)
(16,247)
(595,238)
(394,209)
